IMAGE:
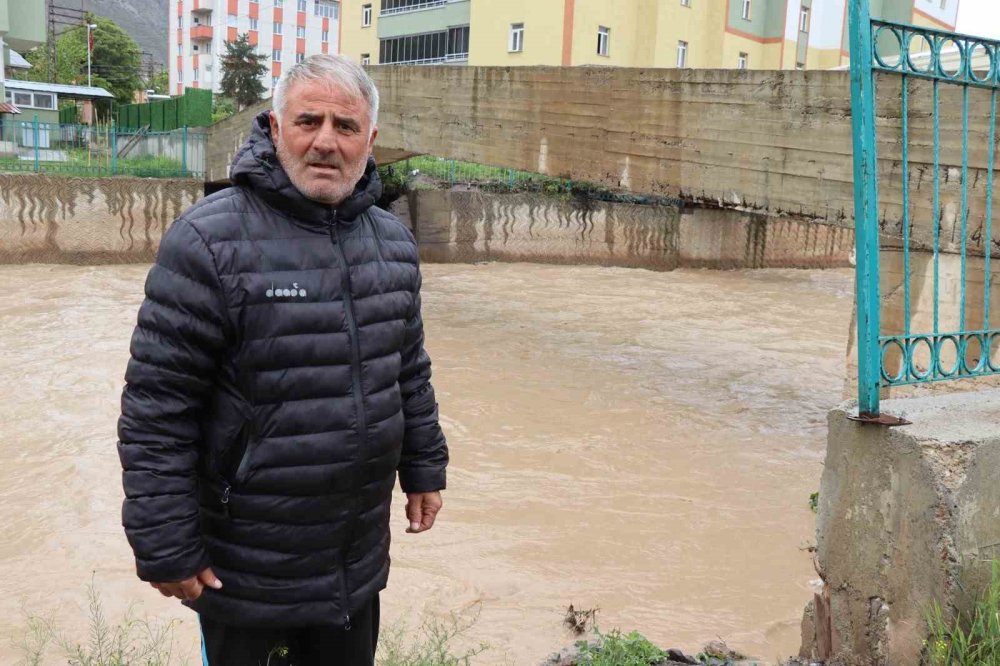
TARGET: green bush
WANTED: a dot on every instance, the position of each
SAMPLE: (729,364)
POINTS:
(615,649)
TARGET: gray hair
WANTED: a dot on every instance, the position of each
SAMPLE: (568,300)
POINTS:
(333,69)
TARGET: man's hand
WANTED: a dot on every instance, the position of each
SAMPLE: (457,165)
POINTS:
(421,509)
(191,588)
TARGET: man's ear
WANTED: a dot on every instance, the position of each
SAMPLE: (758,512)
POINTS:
(273,117)
(371,141)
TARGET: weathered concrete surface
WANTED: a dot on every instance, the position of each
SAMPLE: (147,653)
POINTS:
(777,143)
(469,226)
(52,219)
(907,516)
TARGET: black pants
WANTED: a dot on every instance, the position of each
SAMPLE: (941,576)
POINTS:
(322,645)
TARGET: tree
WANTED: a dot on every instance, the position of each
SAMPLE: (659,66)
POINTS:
(242,68)
(116,60)
(160,83)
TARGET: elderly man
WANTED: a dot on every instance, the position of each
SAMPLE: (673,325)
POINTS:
(278,382)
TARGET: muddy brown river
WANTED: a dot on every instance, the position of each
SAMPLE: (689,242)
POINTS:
(642,443)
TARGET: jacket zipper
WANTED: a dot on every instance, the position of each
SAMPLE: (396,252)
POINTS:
(242,470)
(359,403)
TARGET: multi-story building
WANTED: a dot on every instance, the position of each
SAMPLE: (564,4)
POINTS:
(284,31)
(22,27)
(757,34)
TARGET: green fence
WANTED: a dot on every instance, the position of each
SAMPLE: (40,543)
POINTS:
(99,151)
(192,109)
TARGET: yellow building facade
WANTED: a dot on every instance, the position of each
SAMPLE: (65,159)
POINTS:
(747,34)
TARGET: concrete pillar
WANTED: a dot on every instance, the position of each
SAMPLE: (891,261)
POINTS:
(907,515)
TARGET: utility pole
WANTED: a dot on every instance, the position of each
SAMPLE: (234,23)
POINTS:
(90,47)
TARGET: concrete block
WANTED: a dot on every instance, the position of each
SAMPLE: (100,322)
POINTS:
(907,516)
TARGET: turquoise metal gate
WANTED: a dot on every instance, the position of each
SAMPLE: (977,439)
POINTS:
(931,72)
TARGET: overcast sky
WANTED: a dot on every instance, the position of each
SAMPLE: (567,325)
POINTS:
(979,17)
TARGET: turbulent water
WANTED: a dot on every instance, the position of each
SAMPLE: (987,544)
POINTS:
(642,443)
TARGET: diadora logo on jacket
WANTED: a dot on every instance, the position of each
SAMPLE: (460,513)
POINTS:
(294,291)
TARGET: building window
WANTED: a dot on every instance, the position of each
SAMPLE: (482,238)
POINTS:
(327,9)
(325,37)
(254,2)
(277,28)
(743,61)
(944,4)
(603,40)
(516,41)
(366,59)
(194,75)
(302,5)
(276,55)
(300,32)
(366,16)
(180,76)
(685,3)
(231,20)
(804,20)
(45,101)
(253,24)
(746,10)
(428,48)
(279,3)
(194,48)
(299,57)
(274,80)
(682,54)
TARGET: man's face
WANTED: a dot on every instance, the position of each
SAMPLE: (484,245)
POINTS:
(323,140)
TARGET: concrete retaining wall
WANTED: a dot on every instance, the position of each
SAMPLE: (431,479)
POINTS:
(76,220)
(51,219)
(907,516)
(465,226)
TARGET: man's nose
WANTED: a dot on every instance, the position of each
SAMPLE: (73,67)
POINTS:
(326,139)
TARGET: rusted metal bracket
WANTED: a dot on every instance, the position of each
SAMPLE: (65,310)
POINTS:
(887,420)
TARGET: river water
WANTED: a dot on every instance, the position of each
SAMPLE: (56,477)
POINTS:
(642,443)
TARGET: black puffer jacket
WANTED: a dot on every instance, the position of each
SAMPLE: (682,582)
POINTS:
(278,381)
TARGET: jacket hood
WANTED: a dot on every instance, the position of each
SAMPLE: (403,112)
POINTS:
(256,166)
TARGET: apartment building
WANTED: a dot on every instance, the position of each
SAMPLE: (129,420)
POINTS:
(757,34)
(22,27)
(284,31)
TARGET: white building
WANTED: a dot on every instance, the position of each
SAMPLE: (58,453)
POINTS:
(284,31)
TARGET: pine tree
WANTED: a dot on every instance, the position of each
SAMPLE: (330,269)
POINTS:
(242,68)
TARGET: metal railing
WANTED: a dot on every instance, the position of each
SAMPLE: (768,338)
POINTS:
(100,150)
(411,7)
(936,212)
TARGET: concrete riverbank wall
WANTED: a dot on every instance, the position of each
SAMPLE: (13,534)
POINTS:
(121,220)
(469,226)
(53,219)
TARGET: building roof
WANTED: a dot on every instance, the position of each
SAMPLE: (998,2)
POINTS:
(17,61)
(63,90)
(7,107)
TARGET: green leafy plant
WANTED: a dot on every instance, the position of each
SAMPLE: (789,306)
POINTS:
(616,649)
(970,638)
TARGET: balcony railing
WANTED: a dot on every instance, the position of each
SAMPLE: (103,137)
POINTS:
(451,57)
(201,32)
(414,7)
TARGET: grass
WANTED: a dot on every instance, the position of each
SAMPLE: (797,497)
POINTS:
(130,642)
(970,638)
